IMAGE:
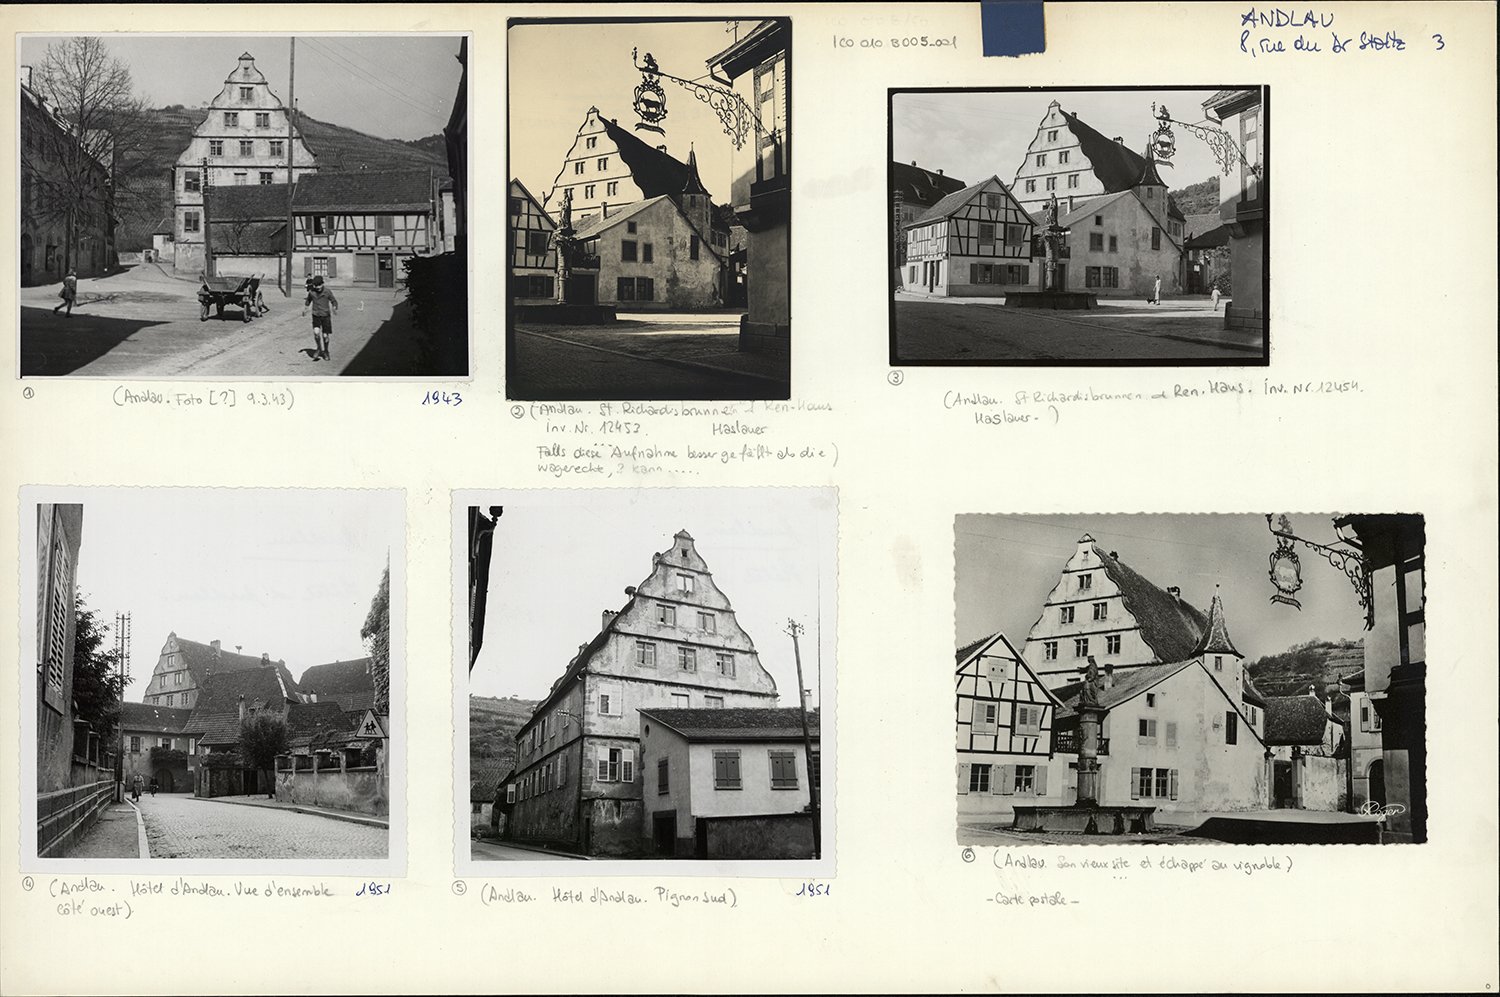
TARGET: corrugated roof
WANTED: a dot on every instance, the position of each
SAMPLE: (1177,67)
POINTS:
(739,724)
(1171,626)
(922,187)
(1295,720)
(157,719)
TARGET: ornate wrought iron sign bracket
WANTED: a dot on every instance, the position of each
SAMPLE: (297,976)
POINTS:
(1286,567)
(1225,149)
(737,117)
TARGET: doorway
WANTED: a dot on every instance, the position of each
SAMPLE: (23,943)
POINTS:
(664,832)
(386,268)
(1377,781)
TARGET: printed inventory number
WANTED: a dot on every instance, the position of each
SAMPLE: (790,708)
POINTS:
(442,398)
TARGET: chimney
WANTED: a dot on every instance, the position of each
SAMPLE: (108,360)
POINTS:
(215,645)
(1114,555)
(1119,140)
(940,172)
(604,210)
(608,615)
(265,660)
(1174,592)
(28,70)
(242,709)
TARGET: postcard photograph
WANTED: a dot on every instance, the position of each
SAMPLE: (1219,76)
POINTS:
(1191,679)
(631,682)
(1091,227)
(264,206)
(219,678)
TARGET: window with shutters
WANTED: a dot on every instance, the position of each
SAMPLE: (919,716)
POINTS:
(1065,614)
(604,703)
(1171,733)
(1080,647)
(1145,731)
(663,776)
(1231,727)
(687,659)
(1155,237)
(191,182)
(536,243)
(706,622)
(625,288)
(645,654)
(724,662)
(727,768)
(1028,720)
(1025,779)
(986,234)
(979,778)
(783,770)
(648,253)
(1112,644)
(983,717)
(645,289)
(628,251)
(1096,242)
(135,744)
(666,615)
(1049,650)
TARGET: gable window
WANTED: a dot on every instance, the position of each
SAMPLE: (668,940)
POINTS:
(1062,157)
(648,253)
(983,718)
(1065,614)
(783,770)
(627,251)
(278,147)
(262,119)
(1155,237)
(1052,183)
(1041,159)
(231,119)
(1028,720)
(590,142)
(1080,647)
(603,163)
(724,662)
(693,242)
(979,778)
(1098,219)
(1072,180)
(612,188)
(992,201)
(1151,699)
(1096,242)
(216,147)
(687,659)
(986,234)
(1101,610)
(645,654)
(1218,662)
(685,584)
(1231,727)
(1049,650)
(1031,186)
(727,768)
(191,181)
(666,615)
(536,243)
(1085,581)
(663,772)
(577,169)
(1015,235)
(1146,731)
(247,147)
(630,227)
(265,178)
(1052,135)
(1112,644)
(247,94)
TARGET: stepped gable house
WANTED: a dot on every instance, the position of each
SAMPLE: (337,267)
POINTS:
(1184,729)
(245,140)
(674,644)
(184,666)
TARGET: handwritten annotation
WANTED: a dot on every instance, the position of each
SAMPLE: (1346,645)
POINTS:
(905,41)
(1058,873)
(609,896)
(90,897)
(1256,21)
(1044,407)
(214,398)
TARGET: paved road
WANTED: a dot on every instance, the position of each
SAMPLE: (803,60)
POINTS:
(963,330)
(181,827)
(642,356)
(493,851)
(144,323)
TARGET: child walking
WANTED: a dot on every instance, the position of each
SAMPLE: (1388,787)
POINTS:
(323,304)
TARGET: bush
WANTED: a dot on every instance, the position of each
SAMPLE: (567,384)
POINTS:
(437,290)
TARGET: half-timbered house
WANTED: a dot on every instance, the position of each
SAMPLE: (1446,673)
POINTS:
(1005,715)
(359,227)
(974,242)
(533,254)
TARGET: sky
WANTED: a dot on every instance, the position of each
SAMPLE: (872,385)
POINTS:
(287,572)
(390,86)
(1006,566)
(973,136)
(563,557)
(548,105)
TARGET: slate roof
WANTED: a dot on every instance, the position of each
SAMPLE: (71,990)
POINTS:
(358,190)
(1172,627)
(1117,167)
(1295,720)
(314,725)
(156,719)
(922,187)
(1215,639)
(654,172)
(216,716)
(740,724)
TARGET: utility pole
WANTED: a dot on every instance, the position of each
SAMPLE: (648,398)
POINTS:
(122,656)
(793,629)
(291,132)
(208,230)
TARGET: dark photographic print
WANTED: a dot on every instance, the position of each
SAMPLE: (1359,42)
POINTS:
(214,206)
(218,679)
(650,203)
(1149,679)
(1091,227)
(633,667)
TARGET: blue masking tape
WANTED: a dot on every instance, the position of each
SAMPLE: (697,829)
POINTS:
(1013,27)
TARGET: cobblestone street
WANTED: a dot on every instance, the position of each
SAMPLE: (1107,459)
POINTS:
(181,827)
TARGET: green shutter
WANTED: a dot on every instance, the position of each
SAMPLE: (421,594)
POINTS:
(1007,784)
(1041,780)
(1135,784)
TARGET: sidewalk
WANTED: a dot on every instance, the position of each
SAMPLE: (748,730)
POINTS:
(350,816)
(118,834)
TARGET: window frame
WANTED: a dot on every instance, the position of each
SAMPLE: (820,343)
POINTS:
(786,761)
(727,770)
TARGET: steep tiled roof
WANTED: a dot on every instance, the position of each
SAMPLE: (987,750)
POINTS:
(1208,238)
(1295,720)
(950,203)
(1126,684)
(260,202)
(968,649)
(1249,693)
(216,715)
(922,187)
(1082,211)
(337,676)
(1117,167)
(653,171)
(1171,626)
(156,719)
(203,659)
(1215,639)
(317,724)
(390,190)
(599,223)
(249,238)
(742,724)
(1200,222)
(484,781)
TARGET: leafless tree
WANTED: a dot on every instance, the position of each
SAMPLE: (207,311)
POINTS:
(85,156)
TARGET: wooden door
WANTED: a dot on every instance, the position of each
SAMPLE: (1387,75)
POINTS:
(387,269)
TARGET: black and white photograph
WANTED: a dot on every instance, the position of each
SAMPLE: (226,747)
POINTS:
(1191,679)
(215,206)
(650,210)
(219,678)
(1096,226)
(631,674)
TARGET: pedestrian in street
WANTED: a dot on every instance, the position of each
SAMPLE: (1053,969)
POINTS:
(68,293)
(135,788)
(323,304)
(1156,291)
(153,785)
(1215,296)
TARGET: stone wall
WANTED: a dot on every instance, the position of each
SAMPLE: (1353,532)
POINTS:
(776,836)
(364,790)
